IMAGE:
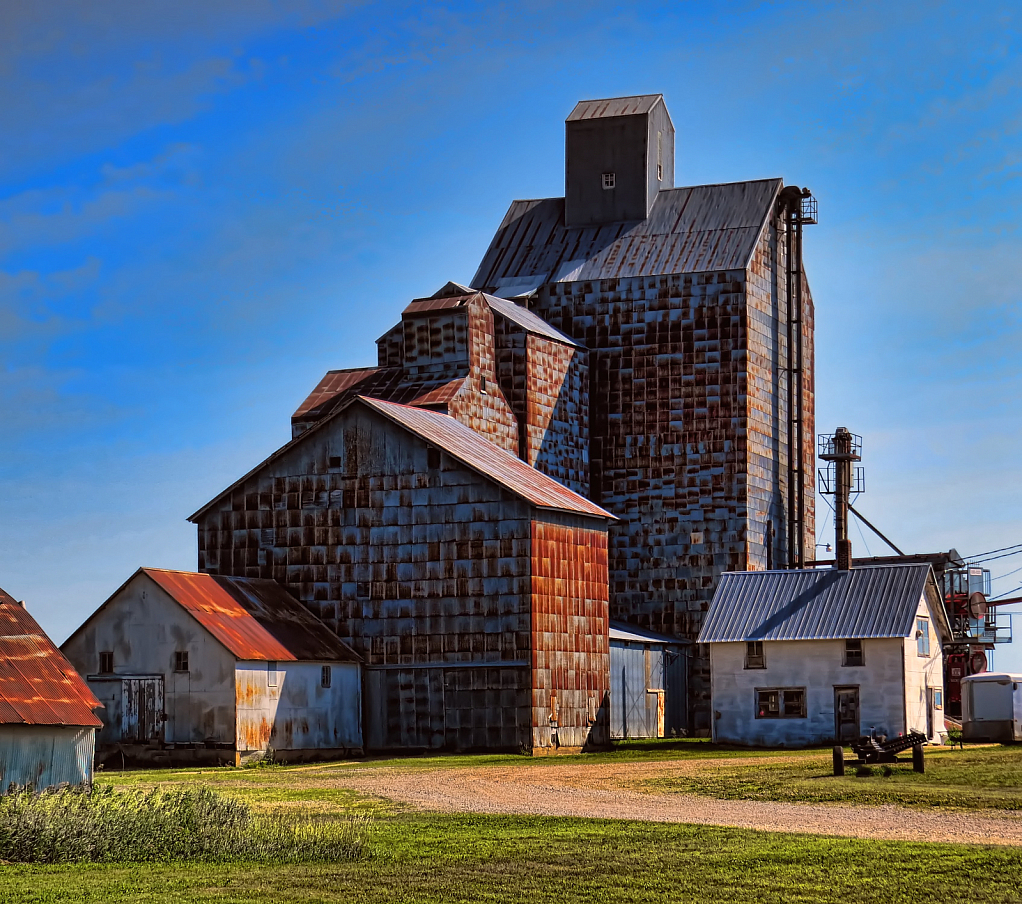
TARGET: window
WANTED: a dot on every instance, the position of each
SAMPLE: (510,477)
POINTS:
(923,636)
(271,674)
(334,461)
(433,459)
(325,677)
(853,653)
(938,699)
(754,655)
(659,157)
(781,703)
(106,662)
(482,385)
(181,661)
(609,179)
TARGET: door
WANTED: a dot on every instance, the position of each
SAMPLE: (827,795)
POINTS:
(929,712)
(142,716)
(846,714)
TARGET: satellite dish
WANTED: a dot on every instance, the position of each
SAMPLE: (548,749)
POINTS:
(978,606)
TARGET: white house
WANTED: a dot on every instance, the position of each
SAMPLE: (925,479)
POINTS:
(805,657)
(192,667)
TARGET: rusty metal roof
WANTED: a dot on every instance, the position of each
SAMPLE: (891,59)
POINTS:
(688,230)
(254,619)
(818,604)
(365,379)
(485,458)
(527,320)
(613,106)
(38,686)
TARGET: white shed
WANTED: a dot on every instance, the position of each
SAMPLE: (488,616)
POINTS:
(194,667)
(811,656)
(47,719)
(992,707)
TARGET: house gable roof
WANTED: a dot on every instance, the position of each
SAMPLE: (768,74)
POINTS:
(254,619)
(38,686)
(820,604)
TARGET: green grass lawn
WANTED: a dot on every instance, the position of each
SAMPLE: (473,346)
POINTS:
(490,859)
(974,778)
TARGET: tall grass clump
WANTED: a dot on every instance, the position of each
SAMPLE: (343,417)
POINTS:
(100,824)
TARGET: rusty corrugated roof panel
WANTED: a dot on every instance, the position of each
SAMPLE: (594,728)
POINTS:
(366,379)
(38,686)
(688,230)
(613,106)
(816,604)
(484,457)
(254,619)
(425,305)
(528,321)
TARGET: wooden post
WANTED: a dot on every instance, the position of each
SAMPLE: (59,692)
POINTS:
(839,760)
(917,759)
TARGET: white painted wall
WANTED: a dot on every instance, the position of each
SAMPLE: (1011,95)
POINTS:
(144,627)
(922,673)
(816,666)
(298,713)
(892,686)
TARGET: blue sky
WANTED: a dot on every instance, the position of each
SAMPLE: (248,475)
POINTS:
(205,206)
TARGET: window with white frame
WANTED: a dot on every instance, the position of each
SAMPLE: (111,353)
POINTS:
(609,180)
(923,636)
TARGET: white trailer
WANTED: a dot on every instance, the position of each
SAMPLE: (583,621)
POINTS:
(992,707)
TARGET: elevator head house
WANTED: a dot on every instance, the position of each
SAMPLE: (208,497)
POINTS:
(698,319)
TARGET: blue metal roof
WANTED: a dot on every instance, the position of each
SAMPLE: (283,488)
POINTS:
(816,604)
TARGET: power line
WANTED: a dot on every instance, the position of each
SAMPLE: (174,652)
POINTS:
(990,552)
(1003,555)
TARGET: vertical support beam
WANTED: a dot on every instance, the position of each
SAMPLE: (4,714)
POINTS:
(796,475)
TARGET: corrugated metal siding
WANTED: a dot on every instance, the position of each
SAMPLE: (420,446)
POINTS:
(570,652)
(44,756)
(820,604)
(688,230)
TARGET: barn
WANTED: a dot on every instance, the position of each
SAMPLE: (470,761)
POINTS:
(473,586)
(193,668)
(47,712)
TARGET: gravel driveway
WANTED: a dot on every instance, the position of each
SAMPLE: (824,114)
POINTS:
(595,791)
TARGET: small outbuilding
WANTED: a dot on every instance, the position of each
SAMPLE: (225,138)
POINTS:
(47,719)
(992,707)
(648,679)
(194,667)
(811,656)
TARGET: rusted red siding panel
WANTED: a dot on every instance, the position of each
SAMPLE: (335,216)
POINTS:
(570,647)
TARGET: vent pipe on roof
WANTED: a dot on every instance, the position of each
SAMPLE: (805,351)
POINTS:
(840,450)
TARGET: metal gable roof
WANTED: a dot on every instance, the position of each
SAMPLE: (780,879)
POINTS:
(816,604)
(38,686)
(688,230)
(527,320)
(635,105)
(487,459)
(254,619)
